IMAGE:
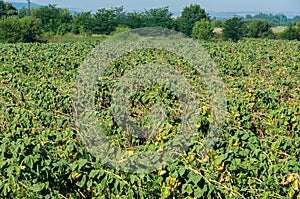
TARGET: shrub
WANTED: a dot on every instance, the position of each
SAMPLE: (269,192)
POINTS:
(290,33)
(13,29)
(233,29)
(120,29)
(259,28)
(202,30)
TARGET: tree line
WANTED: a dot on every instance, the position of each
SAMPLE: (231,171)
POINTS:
(273,19)
(194,21)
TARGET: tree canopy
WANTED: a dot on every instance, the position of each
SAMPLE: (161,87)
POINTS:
(189,16)
(259,28)
(233,29)
(290,33)
(14,29)
(6,9)
(273,19)
(202,30)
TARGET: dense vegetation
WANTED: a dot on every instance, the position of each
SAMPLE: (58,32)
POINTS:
(50,20)
(257,155)
(273,19)
(43,156)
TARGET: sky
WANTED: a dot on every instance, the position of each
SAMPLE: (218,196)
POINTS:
(177,5)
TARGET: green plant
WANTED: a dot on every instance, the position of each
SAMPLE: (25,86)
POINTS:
(290,33)
(259,28)
(233,29)
(257,155)
(189,16)
(120,29)
(202,30)
(13,29)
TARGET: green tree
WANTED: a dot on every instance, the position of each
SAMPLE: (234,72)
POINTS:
(82,23)
(9,28)
(54,20)
(22,12)
(217,23)
(65,22)
(290,33)
(202,30)
(274,20)
(6,9)
(14,29)
(30,29)
(135,20)
(189,16)
(161,17)
(49,15)
(107,20)
(298,28)
(233,29)
(259,28)
(248,17)
(294,20)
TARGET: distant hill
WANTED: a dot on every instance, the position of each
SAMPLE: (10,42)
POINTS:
(20,5)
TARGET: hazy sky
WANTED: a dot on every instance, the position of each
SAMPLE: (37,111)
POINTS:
(177,5)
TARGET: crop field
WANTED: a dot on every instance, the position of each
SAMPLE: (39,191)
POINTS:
(256,156)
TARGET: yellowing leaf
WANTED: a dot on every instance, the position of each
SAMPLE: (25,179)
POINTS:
(162,172)
(295,185)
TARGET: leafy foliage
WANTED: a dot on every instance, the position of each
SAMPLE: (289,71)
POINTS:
(106,20)
(82,23)
(189,16)
(13,29)
(291,33)
(273,19)
(259,28)
(202,30)
(6,9)
(217,23)
(257,155)
(234,29)
(161,17)
(57,22)
(54,20)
